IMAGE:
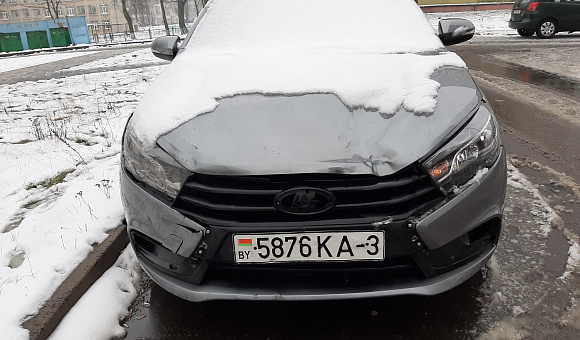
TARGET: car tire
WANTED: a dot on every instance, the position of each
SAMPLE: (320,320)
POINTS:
(546,28)
(525,33)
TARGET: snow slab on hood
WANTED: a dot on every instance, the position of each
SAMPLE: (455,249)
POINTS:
(372,54)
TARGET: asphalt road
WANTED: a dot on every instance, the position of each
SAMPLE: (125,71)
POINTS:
(527,290)
(58,69)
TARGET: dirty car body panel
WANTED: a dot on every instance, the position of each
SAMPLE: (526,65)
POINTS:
(300,196)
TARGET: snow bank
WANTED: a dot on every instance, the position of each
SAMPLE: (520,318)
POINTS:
(487,23)
(96,315)
(59,188)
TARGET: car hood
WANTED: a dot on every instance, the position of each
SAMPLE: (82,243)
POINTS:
(258,134)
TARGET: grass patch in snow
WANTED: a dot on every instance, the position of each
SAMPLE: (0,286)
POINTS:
(59,178)
(32,204)
(24,141)
(84,142)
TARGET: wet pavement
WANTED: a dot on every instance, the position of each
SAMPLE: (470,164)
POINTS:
(527,291)
(168,317)
(55,69)
(527,75)
(479,57)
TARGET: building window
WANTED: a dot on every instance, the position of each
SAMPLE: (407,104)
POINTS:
(70,11)
(92,10)
(94,26)
(26,13)
(34,0)
(81,10)
(24,1)
(37,13)
(107,24)
(12,1)
(59,12)
(14,14)
(104,9)
(4,15)
(46,12)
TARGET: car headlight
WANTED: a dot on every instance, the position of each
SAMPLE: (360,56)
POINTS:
(475,147)
(153,167)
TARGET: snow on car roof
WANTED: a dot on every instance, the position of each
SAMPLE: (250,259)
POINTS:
(279,26)
(374,54)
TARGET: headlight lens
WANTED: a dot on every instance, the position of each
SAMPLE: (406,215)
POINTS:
(153,167)
(475,147)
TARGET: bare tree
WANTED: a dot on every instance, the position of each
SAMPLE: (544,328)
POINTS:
(53,6)
(164,16)
(181,15)
(181,9)
(128,18)
(199,5)
(142,10)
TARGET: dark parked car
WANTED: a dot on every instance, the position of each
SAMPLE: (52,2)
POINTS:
(300,150)
(545,17)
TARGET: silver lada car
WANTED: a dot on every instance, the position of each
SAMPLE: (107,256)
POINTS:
(298,150)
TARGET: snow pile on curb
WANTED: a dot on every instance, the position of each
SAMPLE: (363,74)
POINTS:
(90,318)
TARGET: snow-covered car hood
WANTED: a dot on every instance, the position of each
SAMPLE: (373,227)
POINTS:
(293,47)
(289,86)
(260,134)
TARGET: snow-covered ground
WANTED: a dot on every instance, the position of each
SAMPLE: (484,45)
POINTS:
(487,23)
(59,147)
(136,57)
(60,143)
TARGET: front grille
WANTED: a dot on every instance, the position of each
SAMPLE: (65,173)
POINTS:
(223,200)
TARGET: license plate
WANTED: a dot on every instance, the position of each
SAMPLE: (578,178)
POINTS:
(309,247)
(517,11)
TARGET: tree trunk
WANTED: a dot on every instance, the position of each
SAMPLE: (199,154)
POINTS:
(164,17)
(128,18)
(181,15)
(199,5)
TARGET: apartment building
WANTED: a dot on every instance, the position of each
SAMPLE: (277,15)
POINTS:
(98,12)
(101,15)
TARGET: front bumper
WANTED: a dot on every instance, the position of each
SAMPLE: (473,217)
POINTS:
(446,246)
(224,290)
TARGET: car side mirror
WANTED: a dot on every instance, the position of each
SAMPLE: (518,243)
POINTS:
(166,47)
(455,31)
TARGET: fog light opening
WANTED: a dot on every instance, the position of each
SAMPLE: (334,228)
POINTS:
(483,231)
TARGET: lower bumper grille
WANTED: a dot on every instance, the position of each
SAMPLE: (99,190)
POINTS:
(321,275)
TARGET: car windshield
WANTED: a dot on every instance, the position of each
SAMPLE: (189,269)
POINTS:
(362,26)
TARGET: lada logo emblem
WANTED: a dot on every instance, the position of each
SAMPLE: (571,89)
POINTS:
(304,201)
